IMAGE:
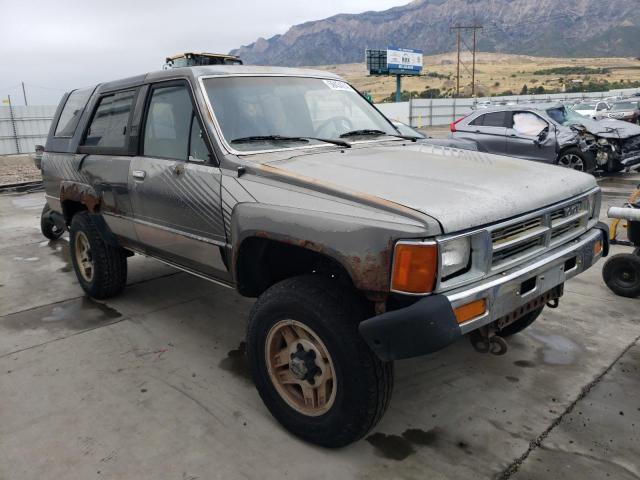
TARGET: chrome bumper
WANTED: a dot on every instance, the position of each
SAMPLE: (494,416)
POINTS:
(504,292)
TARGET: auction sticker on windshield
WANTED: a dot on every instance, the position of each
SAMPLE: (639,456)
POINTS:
(337,85)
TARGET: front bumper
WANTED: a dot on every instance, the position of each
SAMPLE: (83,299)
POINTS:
(430,324)
(630,159)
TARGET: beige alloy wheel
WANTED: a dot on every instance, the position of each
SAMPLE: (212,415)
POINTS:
(84,259)
(300,368)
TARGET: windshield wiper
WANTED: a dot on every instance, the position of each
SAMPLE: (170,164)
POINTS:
(283,138)
(373,132)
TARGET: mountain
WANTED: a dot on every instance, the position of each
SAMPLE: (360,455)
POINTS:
(561,28)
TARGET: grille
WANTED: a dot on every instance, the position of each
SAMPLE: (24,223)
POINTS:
(506,234)
(518,240)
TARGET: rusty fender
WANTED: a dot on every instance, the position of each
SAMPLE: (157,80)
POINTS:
(81,193)
(362,246)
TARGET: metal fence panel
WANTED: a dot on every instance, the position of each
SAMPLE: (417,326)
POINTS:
(24,127)
(442,111)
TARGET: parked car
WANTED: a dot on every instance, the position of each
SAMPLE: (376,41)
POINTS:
(593,110)
(405,129)
(615,144)
(625,110)
(524,131)
(361,246)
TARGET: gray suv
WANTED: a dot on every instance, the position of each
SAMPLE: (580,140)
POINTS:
(528,132)
(361,245)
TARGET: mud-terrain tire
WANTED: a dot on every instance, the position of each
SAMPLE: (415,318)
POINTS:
(520,324)
(621,273)
(48,227)
(103,272)
(572,157)
(327,313)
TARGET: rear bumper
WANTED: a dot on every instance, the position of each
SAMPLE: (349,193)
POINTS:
(430,324)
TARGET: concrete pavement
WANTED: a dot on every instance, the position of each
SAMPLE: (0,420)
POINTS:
(153,384)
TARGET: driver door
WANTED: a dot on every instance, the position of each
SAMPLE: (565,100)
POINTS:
(531,137)
(175,185)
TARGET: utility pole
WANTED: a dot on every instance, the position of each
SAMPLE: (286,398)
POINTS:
(459,29)
(24,94)
(458,67)
(473,69)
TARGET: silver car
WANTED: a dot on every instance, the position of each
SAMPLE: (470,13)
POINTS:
(528,132)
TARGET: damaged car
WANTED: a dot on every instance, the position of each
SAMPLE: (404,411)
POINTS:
(525,131)
(615,144)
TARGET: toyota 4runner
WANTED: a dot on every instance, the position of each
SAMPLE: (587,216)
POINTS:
(361,245)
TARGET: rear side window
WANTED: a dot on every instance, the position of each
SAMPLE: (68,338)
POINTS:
(72,112)
(493,119)
(108,128)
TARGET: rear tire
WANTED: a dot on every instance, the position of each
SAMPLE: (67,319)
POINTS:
(48,227)
(320,315)
(621,273)
(101,268)
(521,323)
(576,159)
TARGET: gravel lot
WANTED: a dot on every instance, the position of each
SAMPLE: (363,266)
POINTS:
(17,168)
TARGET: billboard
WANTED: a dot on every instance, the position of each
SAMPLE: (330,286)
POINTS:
(404,60)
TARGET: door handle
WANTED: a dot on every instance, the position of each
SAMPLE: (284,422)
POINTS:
(139,174)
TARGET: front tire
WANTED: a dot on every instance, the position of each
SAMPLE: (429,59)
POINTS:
(576,159)
(313,370)
(621,273)
(101,268)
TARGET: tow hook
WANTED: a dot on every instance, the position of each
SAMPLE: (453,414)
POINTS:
(485,340)
(553,303)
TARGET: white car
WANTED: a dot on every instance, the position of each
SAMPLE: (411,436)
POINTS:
(593,110)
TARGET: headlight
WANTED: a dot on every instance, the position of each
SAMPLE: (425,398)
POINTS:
(455,255)
(603,141)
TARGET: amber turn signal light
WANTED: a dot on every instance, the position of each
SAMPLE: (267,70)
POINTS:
(471,310)
(415,268)
(597,247)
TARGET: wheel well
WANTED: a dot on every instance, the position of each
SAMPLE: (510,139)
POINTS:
(70,208)
(264,262)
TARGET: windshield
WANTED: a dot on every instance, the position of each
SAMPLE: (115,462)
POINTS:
(624,106)
(265,113)
(564,116)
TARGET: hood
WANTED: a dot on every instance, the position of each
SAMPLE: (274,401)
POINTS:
(610,128)
(460,189)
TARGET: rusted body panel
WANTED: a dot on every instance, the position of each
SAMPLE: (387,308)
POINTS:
(363,247)
(80,193)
